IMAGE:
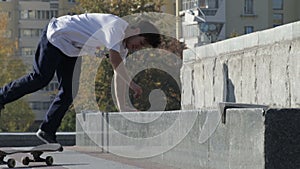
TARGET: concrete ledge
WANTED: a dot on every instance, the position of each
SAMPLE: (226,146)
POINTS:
(257,68)
(251,138)
(30,139)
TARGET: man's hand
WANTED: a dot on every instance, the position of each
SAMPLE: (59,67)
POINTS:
(137,89)
(121,80)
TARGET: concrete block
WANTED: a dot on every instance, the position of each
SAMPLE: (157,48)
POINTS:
(221,47)
(277,34)
(263,77)
(207,51)
(187,80)
(280,87)
(226,46)
(208,81)
(294,75)
(246,138)
(250,138)
(192,159)
(201,52)
(250,40)
(248,77)
(296,30)
(189,55)
(257,63)
(218,82)
(199,86)
(236,44)
(282,137)
(191,42)
(235,78)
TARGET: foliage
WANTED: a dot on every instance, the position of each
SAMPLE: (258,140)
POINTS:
(118,7)
(103,86)
(68,122)
(234,34)
(100,87)
(163,73)
(148,79)
(16,116)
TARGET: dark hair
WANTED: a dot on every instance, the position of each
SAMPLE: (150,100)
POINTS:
(149,32)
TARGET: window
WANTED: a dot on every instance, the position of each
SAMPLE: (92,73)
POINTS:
(248,8)
(24,14)
(38,14)
(31,14)
(51,87)
(278,4)
(27,14)
(40,105)
(27,51)
(277,19)
(209,4)
(55,6)
(30,32)
(249,29)
(189,4)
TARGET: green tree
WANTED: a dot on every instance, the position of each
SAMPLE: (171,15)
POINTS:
(16,116)
(105,72)
(69,121)
(148,79)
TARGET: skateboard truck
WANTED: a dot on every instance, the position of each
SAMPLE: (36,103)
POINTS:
(37,158)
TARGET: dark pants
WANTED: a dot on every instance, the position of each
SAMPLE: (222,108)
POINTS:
(48,61)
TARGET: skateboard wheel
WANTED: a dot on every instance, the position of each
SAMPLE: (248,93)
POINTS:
(49,160)
(61,149)
(11,163)
(25,161)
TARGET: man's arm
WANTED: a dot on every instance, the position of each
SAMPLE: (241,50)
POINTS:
(122,80)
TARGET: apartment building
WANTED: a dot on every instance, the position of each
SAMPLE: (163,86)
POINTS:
(228,18)
(247,16)
(27,18)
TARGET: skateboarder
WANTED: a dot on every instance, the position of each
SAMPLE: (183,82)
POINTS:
(62,42)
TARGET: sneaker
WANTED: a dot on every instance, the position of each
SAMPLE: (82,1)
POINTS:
(46,137)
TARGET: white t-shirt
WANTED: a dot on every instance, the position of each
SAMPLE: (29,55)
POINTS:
(84,34)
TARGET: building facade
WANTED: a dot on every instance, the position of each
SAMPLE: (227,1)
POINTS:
(229,18)
(247,16)
(26,20)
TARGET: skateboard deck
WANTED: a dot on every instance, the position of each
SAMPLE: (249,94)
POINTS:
(36,152)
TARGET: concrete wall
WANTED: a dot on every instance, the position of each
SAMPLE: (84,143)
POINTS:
(258,68)
(250,138)
(30,139)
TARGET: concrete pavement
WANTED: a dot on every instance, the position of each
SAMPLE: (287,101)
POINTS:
(83,158)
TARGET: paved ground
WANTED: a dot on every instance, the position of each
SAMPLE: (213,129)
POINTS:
(82,158)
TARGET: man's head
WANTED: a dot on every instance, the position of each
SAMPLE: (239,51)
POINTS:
(141,35)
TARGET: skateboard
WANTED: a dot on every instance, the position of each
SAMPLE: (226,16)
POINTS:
(36,152)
